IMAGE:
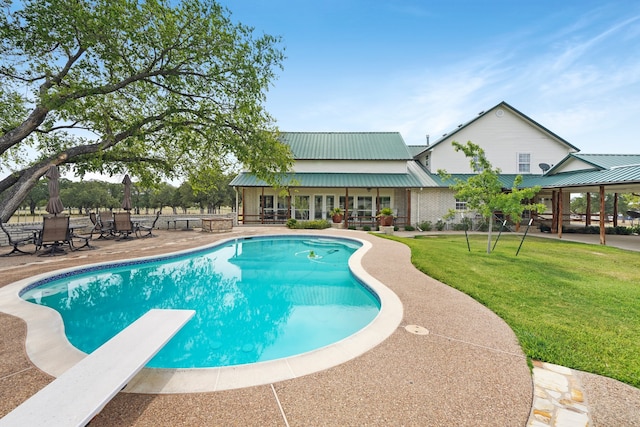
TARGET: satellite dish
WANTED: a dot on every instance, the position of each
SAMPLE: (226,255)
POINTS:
(545,167)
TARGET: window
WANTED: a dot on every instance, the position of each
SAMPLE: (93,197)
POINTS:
(461,205)
(266,203)
(301,207)
(384,202)
(524,163)
(365,206)
(350,206)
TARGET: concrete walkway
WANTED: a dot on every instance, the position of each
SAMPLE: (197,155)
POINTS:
(451,361)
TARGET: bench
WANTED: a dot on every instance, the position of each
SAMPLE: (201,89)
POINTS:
(77,395)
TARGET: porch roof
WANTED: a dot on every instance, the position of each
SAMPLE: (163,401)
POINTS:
(361,180)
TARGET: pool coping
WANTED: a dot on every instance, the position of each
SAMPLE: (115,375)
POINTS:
(48,348)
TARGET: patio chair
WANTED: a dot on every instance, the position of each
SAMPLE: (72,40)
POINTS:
(82,236)
(16,243)
(55,233)
(147,228)
(99,227)
(122,224)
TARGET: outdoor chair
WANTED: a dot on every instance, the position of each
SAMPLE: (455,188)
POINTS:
(122,224)
(98,227)
(16,243)
(147,228)
(84,238)
(55,233)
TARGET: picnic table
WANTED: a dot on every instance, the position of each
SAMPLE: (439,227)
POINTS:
(184,219)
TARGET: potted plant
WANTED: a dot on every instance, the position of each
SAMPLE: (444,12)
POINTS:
(336,215)
(385,217)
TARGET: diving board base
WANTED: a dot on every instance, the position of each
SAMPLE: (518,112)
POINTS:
(80,393)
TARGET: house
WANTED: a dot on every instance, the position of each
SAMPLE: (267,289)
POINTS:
(363,172)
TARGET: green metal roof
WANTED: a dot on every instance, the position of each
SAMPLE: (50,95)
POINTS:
(361,180)
(416,149)
(346,145)
(604,161)
(614,175)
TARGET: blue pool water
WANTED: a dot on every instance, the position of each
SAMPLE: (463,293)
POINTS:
(255,299)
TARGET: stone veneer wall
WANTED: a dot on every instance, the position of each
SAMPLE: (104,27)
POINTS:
(16,229)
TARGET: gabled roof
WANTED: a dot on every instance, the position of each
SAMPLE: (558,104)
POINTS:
(503,104)
(598,161)
(346,145)
(619,175)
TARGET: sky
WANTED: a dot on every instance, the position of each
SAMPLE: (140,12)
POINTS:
(421,67)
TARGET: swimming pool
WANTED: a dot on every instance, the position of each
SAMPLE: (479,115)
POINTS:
(256,299)
(49,349)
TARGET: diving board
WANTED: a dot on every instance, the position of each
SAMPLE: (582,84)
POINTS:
(77,395)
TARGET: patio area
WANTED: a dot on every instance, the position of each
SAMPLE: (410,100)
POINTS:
(467,371)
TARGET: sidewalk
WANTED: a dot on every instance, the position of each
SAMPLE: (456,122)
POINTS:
(467,370)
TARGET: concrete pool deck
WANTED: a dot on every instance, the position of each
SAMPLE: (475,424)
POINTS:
(468,369)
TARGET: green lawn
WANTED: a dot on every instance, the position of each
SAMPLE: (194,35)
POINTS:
(571,304)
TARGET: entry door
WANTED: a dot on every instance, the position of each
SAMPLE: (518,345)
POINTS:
(322,205)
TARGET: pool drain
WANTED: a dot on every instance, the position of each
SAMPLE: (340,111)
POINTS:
(418,330)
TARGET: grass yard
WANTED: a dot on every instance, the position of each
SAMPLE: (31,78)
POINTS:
(571,304)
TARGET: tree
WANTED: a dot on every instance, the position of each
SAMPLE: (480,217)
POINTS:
(484,193)
(150,87)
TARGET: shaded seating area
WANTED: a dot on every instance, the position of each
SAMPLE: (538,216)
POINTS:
(17,243)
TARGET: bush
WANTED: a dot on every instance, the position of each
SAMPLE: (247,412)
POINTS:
(316,224)
(440,225)
(409,228)
(425,226)
(366,228)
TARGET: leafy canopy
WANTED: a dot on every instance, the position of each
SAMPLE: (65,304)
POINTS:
(484,192)
(150,87)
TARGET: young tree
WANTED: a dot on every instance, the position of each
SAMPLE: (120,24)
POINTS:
(484,193)
(149,87)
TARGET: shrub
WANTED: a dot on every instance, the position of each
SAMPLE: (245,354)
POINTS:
(425,226)
(440,225)
(316,224)
(292,222)
(409,228)
(366,228)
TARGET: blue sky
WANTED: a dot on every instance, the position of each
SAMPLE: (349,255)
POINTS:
(423,67)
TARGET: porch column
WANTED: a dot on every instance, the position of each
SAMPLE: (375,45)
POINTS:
(408,206)
(554,211)
(615,209)
(587,220)
(346,207)
(603,240)
(262,207)
(560,216)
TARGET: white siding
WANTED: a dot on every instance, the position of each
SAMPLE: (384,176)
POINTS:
(502,138)
(574,164)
